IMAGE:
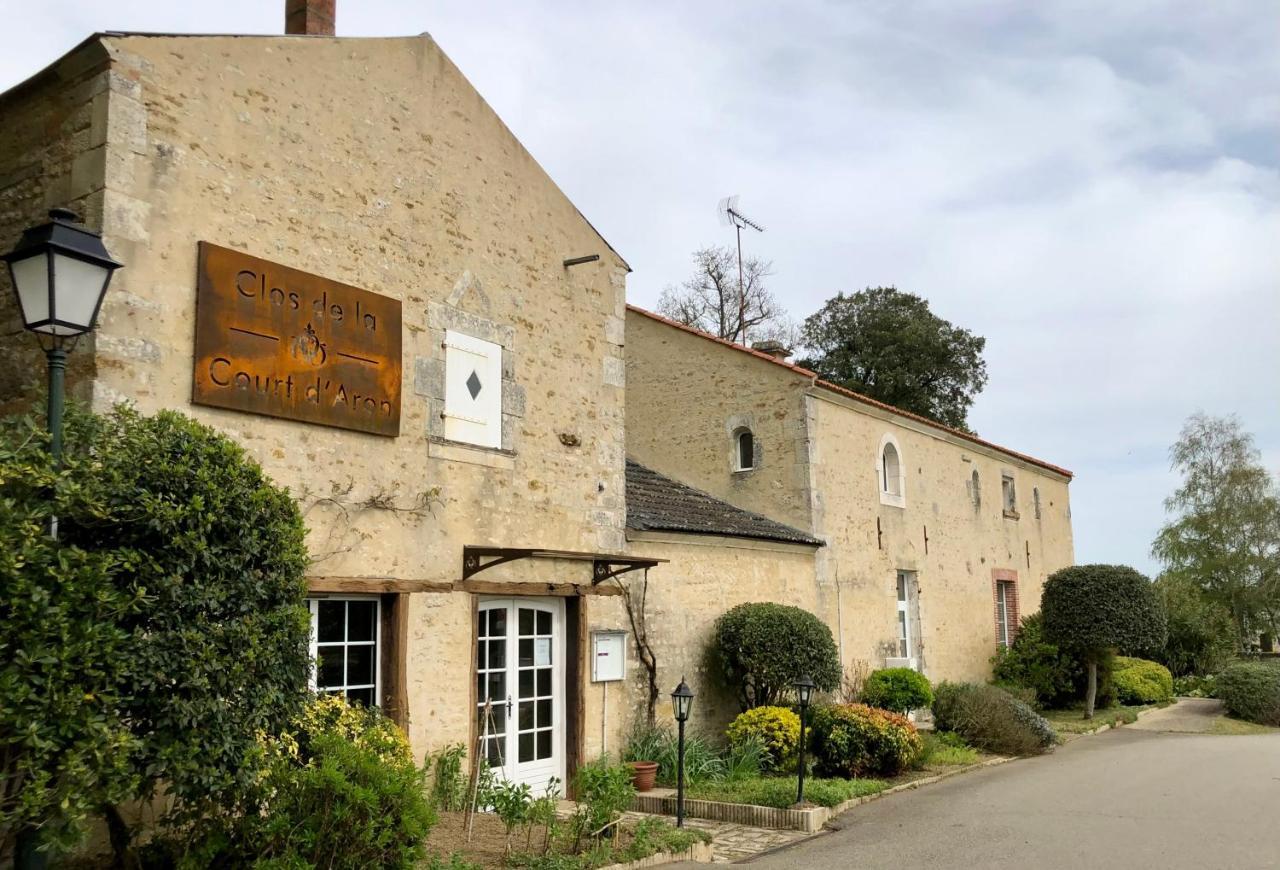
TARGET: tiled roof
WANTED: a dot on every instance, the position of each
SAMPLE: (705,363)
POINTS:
(836,388)
(658,503)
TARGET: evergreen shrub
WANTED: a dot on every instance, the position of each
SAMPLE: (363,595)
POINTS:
(989,718)
(1139,681)
(762,648)
(775,729)
(898,689)
(1251,691)
(856,740)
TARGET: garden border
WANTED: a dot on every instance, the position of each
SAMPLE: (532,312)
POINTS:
(1111,726)
(810,820)
(699,852)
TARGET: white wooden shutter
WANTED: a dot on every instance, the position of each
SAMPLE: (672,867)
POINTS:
(472,390)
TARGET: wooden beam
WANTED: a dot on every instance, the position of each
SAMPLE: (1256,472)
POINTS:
(375,585)
(484,587)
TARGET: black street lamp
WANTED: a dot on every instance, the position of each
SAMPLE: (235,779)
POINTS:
(60,273)
(804,688)
(681,704)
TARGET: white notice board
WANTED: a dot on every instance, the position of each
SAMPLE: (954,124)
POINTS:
(608,656)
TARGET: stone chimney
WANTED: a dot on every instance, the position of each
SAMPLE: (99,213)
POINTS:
(309,17)
(775,349)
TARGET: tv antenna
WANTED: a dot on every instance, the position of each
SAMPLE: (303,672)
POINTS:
(731,215)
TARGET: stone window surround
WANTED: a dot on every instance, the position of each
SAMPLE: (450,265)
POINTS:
(893,499)
(735,426)
(429,380)
(1008,494)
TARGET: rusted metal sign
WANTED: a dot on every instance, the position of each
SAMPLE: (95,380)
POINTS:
(277,341)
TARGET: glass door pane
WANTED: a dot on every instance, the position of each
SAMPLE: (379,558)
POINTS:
(535,719)
(491,681)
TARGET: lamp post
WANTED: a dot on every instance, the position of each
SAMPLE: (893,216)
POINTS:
(60,273)
(681,703)
(804,688)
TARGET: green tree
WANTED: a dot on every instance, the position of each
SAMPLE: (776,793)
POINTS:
(219,654)
(764,647)
(1094,609)
(187,627)
(1224,535)
(64,745)
(888,345)
(1201,634)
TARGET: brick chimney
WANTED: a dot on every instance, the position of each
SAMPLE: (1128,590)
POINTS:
(309,17)
(775,349)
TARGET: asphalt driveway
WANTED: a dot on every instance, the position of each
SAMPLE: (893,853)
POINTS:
(1125,798)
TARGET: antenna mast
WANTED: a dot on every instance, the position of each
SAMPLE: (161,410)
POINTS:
(731,215)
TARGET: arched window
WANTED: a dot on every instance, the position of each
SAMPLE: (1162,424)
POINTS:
(889,466)
(744,450)
(975,490)
(890,473)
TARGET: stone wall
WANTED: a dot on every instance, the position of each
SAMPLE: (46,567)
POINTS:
(52,154)
(704,577)
(684,387)
(375,163)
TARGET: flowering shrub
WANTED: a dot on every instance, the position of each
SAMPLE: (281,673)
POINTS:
(1139,681)
(857,740)
(775,729)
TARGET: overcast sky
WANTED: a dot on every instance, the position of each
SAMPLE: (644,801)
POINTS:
(1094,187)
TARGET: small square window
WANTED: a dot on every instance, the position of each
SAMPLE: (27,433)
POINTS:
(345,647)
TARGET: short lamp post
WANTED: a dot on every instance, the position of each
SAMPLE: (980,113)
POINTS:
(804,689)
(60,273)
(681,704)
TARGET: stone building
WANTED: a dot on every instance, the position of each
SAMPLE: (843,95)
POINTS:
(935,540)
(337,254)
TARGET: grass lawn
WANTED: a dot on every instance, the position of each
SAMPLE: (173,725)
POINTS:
(1072,721)
(780,791)
(1231,726)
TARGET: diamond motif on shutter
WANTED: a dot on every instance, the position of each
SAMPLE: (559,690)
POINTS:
(473,385)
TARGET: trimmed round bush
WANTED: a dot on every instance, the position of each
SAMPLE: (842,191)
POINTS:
(775,729)
(856,740)
(762,648)
(991,719)
(1251,691)
(897,689)
(1139,681)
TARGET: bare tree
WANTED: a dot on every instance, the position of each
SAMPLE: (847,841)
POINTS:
(711,301)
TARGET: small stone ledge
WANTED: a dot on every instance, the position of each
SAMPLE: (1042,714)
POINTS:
(698,852)
(810,820)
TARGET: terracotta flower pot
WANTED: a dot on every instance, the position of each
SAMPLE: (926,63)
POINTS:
(643,774)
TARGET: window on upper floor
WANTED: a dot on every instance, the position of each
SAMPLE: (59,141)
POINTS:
(744,450)
(1035,500)
(472,390)
(1008,496)
(890,473)
(975,490)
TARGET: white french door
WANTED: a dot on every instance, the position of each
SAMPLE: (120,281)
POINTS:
(520,669)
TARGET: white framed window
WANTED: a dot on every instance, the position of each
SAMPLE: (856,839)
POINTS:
(472,390)
(904,617)
(744,450)
(891,473)
(1004,610)
(1008,495)
(346,647)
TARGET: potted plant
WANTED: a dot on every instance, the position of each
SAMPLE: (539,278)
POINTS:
(643,774)
(644,744)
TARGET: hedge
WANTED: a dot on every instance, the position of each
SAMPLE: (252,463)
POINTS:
(1139,681)
(1251,691)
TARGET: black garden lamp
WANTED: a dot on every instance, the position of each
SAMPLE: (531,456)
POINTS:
(60,273)
(804,689)
(681,704)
